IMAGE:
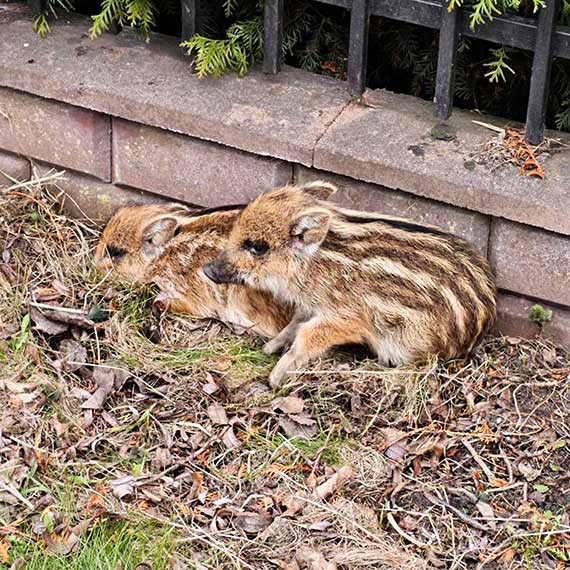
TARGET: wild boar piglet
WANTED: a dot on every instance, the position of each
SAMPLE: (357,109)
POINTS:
(168,245)
(409,291)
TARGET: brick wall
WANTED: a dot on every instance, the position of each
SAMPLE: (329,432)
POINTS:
(109,162)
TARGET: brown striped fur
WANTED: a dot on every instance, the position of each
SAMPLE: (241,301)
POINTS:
(168,245)
(409,291)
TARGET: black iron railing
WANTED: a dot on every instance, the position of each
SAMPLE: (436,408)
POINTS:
(541,36)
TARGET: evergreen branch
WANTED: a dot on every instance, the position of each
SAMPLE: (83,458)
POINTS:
(498,66)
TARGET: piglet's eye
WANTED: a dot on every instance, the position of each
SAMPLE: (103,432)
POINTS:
(115,253)
(256,248)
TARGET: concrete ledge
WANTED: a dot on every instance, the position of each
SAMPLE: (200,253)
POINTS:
(281,116)
(390,144)
(48,130)
(512,319)
(296,116)
(196,171)
(15,167)
(85,197)
(531,261)
(360,195)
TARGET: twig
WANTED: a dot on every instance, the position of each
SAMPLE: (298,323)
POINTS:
(15,493)
(465,518)
(390,518)
(489,126)
(478,459)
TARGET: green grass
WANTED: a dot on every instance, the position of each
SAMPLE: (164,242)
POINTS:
(106,546)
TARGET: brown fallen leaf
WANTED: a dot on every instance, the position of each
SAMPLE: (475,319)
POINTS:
(4,548)
(230,440)
(331,485)
(105,380)
(291,565)
(252,523)
(8,331)
(62,543)
(48,326)
(217,414)
(124,487)
(314,559)
(487,513)
(298,425)
(288,405)
(72,354)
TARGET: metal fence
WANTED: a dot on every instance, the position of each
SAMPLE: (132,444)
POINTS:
(539,35)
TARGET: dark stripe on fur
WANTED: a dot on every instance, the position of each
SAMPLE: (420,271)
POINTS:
(396,224)
(207,211)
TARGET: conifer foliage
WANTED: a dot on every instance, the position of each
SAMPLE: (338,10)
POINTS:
(402,57)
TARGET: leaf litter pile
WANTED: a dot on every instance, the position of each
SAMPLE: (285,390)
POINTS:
(130,441)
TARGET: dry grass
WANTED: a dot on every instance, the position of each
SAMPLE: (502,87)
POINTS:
(118,420)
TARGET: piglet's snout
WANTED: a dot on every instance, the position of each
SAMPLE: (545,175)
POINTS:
(219,271)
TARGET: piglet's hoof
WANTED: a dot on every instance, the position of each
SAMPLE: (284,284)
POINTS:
(272,347)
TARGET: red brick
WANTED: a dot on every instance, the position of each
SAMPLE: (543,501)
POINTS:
(55,132)
(15,167)
(512,319)
(189,169)
(531,262)
(373,198)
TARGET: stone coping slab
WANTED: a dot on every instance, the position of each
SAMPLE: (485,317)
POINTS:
(391,144)
(281,116)
(296,116)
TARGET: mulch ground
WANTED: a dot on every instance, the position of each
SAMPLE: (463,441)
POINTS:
(112,414)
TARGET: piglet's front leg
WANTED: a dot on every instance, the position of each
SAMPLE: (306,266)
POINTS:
(285,338)
(314,338)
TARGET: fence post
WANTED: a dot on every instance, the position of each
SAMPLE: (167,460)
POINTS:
(189,11)
(358,46)
(541,67)
(448,38)
(36,6)
(272,35)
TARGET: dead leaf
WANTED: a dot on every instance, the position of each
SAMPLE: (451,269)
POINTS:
(252,523)
(291,565)
(230,440)
(288,405)
(72,354)
(529,472)
(217,414)
(43,294)
(124,487)
(320,525)
(4,548)
(210,387)
(105,380)
(8,331)
(314,559)
(293,504)
(43,324)
(330,486)
(62,543)
(487,513)
(298,425)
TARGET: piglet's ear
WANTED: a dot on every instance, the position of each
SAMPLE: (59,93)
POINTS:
(320,190)
(161,231)
(309,230)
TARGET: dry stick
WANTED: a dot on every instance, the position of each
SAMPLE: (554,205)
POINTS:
(465,518)
(57,308)
(478,459)
(236,559)
(42,206)
(15,493)
(332,511)
(390,518)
